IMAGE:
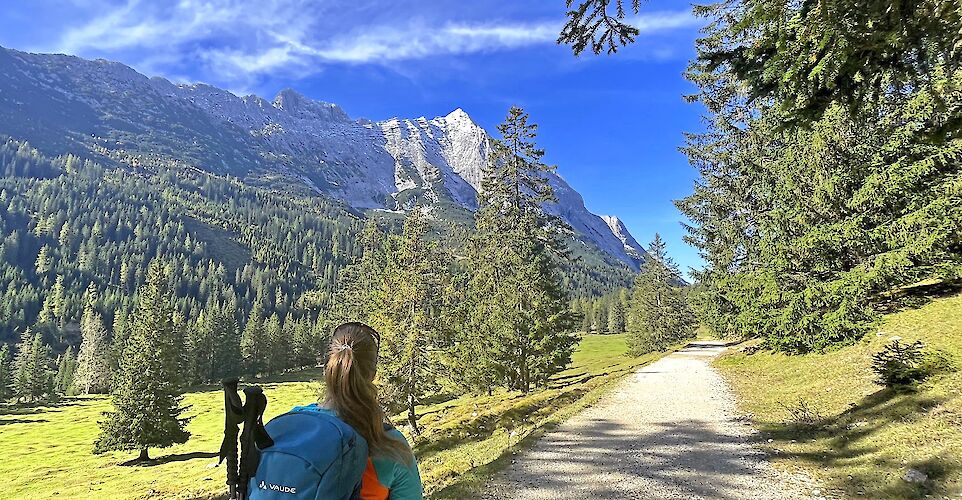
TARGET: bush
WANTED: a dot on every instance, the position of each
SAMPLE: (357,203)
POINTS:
(901,365)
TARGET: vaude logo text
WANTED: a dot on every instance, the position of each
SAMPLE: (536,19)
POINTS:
(280,488)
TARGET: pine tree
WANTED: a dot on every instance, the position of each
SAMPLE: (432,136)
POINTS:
(227,357)
(589,317)
(120,330)
(66,368)
(410,318)
(278,349)
(521,317)
(252,341)
(44,261)
(6,373)
(305,347)
(601,316)
(53,313)
(147,399)
(548,321)
(93,375)
(201,349)
(616,315)
(359,288)
(212,345)
(32,376)
(23,366)
(659,313)
(827,172)
(592,26)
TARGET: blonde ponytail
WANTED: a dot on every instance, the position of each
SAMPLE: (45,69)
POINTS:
(351,393)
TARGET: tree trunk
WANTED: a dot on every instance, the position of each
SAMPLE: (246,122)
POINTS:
(413,417)
(143,456)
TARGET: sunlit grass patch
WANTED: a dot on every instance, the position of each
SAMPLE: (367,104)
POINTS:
(826,414)
(49,447)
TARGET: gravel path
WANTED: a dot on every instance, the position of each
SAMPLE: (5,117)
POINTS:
(668,431)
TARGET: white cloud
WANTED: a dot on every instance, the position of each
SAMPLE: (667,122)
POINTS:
(236,40)
(386,43)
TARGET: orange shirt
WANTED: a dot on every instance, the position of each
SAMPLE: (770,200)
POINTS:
(386,479)
(371,488)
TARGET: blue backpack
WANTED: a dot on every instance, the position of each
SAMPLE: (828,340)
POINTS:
(306,453)
(315,455)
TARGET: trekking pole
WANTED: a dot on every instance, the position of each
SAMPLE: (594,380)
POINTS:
(233,416)
(253,438)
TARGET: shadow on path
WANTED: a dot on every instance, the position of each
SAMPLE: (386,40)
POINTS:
(685,458)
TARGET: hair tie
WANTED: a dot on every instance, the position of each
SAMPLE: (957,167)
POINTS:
(341,347)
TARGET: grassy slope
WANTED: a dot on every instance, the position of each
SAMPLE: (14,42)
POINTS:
(48,448)
(867,438)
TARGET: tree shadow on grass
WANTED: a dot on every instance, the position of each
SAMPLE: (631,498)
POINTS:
(176,457)
(560,383)
(441,397)
(483,426)
(915,296)
(850,440)
(313,375)
(21,421)
(48,406)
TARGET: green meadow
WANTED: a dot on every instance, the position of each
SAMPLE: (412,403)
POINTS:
(825,414)
(464,439)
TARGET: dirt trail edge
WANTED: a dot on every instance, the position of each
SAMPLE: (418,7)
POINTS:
(668,431)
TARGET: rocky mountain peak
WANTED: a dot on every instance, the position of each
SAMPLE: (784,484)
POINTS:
(301,106)
(621,232)
(459,115)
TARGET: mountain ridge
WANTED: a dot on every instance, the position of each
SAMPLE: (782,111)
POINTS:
(388,164)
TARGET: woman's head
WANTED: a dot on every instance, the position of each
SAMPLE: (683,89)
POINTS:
(355,343)
(349,377)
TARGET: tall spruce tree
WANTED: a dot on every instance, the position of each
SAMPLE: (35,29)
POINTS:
(616,315)
(411,317)
(521,317)
(6,372)
(278,349)
(359,285)
(120,329)
(829,168)
(23,366)
(659,313)
(147,401)
(93,375)
(601,316)
(827,180)
(227,336)
(588,318)
(252,341)
(305,347)
(32,375)
(66,368)
(199,352)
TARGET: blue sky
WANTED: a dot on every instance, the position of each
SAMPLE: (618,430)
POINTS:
(612,124)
